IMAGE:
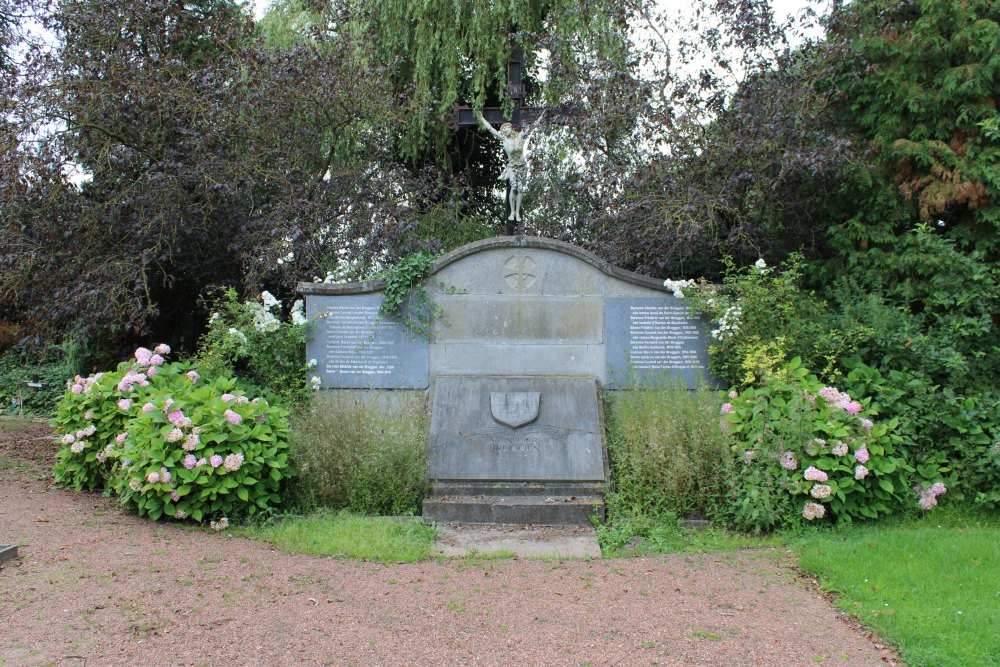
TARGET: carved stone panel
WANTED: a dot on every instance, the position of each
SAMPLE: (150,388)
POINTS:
(562,443)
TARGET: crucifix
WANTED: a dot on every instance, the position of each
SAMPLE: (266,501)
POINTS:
(509,135)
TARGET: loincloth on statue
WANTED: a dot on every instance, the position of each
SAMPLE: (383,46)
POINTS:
(517,176)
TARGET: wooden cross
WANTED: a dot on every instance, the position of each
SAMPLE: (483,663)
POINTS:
(462,116)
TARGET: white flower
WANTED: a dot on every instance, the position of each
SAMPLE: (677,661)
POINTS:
(237,334)
(312,363)
(268,300)
(761,264)
(315,382)
(213,318)
(676,286)
(298,316)
(264,320)
(77,446)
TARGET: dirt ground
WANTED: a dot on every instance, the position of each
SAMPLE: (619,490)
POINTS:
(95,586)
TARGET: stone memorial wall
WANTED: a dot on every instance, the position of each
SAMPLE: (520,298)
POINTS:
(532,331)
(522,306)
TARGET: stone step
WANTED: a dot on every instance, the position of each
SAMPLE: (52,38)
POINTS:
(514,509)
(447,487)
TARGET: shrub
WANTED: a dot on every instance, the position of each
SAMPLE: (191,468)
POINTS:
(794,437)
(365,455)
(51,366)
(249,339)
(938,426)
(665,448)
(761,318)
(170,442)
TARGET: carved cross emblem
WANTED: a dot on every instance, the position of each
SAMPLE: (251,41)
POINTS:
(519,271)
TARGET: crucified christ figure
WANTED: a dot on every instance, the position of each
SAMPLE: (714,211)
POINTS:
(515,144)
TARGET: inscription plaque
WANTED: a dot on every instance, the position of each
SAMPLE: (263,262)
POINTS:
(356,349)
(652,339)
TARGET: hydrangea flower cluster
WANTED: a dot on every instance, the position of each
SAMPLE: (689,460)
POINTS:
(814,474)
(928,497)
(264,319)
(813,511)
(839,399)
(298,313)
(820,491)
(83,385)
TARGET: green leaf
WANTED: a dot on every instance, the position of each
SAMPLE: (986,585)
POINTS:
(886,485)
(242,493)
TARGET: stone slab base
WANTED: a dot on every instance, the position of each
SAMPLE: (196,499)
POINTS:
(7,552)
(529,509)
(464,540)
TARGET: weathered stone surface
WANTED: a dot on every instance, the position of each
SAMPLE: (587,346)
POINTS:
(515,319)
(501,358)
(7,552)
(355,348)
(564,441)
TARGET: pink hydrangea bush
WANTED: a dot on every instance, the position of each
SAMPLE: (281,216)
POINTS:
(807,452)
(171,443)
(90,421)
(224,454)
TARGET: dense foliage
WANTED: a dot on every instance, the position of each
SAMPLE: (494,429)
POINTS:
(202,158)
(845,192)
(171,442)
(806,450)
(666,452)
(362,454)
(251,340)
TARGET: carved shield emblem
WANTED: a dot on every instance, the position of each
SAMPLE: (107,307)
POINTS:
(514,408)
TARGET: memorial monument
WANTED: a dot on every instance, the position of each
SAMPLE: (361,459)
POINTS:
(534,331)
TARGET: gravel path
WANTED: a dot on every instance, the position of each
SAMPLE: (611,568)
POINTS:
(95,586)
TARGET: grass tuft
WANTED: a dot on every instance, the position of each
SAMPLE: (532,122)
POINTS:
(341,535)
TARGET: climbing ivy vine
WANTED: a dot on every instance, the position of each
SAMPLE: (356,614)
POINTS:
(405,297)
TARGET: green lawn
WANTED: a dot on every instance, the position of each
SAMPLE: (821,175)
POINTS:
(380,539)
(931,586)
